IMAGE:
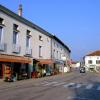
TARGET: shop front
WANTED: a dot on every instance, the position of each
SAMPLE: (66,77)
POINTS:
(14,68)
(43,67)
(59,66)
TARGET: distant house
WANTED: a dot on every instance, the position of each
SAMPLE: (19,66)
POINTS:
(75,64)
(92,61)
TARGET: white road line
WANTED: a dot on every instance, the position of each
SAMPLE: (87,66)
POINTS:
(59,84)
(69,84)
(89,86)
(79,98)
(98,88)
(78,85)
(50,83)
(45,82)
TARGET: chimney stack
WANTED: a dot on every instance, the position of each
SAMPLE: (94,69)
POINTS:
(20,10)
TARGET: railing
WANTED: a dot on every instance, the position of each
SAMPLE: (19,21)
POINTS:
(28,51)
(3,47)
(16,48)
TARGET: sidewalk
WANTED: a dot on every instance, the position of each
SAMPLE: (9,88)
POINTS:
(32,80)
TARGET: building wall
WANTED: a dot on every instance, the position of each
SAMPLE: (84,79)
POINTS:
(93,59)
(35,42)
(62,51)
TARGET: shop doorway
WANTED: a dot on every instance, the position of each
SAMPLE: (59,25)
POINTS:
(1,71)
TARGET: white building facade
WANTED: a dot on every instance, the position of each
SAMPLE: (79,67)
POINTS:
(92,61)
(60,54)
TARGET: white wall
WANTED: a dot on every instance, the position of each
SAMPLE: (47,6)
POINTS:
(93,58)
(62,51)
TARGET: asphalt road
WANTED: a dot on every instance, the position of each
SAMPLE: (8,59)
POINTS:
(70,86)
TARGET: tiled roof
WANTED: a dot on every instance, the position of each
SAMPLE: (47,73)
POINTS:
(96,53)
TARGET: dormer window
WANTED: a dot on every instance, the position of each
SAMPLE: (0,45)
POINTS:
(40,38)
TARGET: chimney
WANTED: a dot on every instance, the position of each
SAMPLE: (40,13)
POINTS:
(20,10)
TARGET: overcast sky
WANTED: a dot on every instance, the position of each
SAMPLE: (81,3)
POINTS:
(75,22)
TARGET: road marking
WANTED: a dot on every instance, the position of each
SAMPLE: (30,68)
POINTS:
(78,98)
(50,83)
(98,88)
(59,84)
(89,86)
(78,85)
(45,82)
(69,84)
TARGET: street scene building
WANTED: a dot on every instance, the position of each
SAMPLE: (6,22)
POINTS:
(92,61)
(27,50)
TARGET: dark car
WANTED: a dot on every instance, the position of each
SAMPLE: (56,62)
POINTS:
(82,69)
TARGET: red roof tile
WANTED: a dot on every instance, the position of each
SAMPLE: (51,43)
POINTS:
(96,53)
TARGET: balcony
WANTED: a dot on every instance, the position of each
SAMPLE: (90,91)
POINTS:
(16,48)
(3,47)
(28,51)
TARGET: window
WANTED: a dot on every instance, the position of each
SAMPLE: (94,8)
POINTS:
(54,44)
(57,46)
(40,51)
(60,55)
(89,61)
(54,53)
(15,34)
(28,37)
(97,61)
(57,54)
(47,39)
(40,38)
(1,30)
(1,21)
(15,27)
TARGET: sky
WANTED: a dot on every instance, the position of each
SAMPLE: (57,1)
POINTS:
(75,22)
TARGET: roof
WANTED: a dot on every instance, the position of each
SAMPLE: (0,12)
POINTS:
(23,20)
(96,53)
(57,39)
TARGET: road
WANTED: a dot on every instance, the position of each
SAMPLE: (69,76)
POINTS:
(70,86)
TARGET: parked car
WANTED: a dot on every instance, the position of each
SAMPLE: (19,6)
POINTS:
(82,69)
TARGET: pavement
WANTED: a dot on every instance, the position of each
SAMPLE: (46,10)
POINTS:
(70,86)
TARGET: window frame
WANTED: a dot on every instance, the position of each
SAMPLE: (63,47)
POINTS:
(97,61)
(90,62)
(40,51)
